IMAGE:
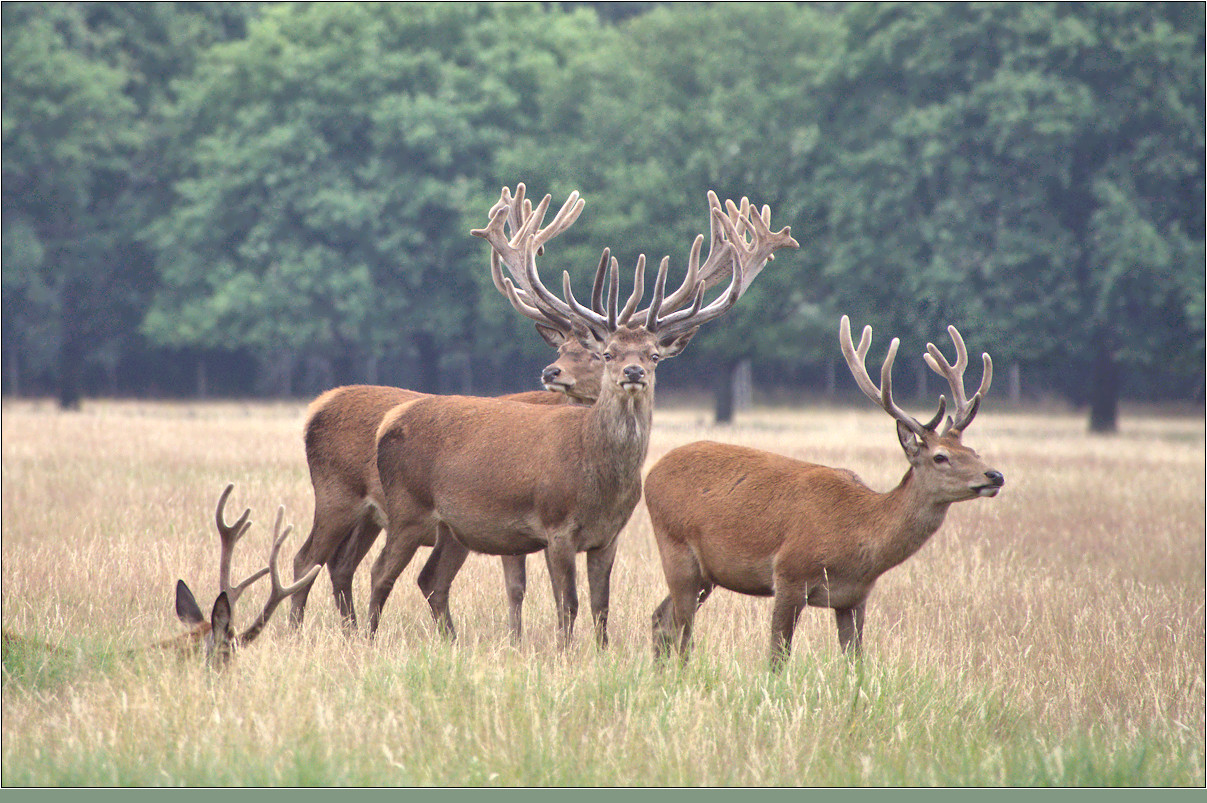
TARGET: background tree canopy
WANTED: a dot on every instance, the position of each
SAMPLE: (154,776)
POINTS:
(275,198)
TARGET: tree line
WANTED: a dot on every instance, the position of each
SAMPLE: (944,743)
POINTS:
(247,198)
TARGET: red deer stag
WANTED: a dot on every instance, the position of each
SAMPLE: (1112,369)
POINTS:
(501,478)
(340,436)
(766,525)
(217,634)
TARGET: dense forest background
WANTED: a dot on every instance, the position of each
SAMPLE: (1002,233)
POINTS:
(269,199)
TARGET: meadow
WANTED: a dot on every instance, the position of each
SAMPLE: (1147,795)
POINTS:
(1053,635)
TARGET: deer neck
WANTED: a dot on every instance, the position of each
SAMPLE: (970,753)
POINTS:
(909,518)
(617,436)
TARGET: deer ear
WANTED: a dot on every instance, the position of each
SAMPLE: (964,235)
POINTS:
(220,619)
(187,609)
(675,345)
(554,337)
(587,337)
(909,440)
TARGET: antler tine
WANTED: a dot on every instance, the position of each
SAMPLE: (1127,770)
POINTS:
(280,592)
(518,299)
(601,275)
(856,357)
(638,289)
(519,252)
(759,250)
(229,535)
(746,258)
(965,408)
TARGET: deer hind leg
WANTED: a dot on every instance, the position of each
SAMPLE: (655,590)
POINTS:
(599,580)
(402,539)
(436,579)
(335,517)
(850,629)
(343,564)
(674,618)
(515,578)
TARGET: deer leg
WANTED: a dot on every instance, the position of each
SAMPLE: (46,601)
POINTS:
(333,522)
(343,564)
(599,580)
(688,588)
(850,629)
(559,557)
(789,602)
(515,578)
(400,546)
(437,577)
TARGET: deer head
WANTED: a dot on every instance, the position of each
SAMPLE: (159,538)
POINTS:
(216,636)
(629,341)
(941,463)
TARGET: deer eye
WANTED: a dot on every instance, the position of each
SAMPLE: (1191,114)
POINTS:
(654,357)
(940,459)
(608,356)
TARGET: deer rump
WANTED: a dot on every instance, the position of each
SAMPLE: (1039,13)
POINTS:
(456,461)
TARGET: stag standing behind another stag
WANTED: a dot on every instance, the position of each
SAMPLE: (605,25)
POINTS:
(767,525)
(340,436)
(502,478)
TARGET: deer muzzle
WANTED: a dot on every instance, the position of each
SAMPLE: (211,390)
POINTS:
(994,482)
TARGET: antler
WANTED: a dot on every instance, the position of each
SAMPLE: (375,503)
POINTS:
(746,260)
(965,409)
(229,535)
(883,395)
(279,592)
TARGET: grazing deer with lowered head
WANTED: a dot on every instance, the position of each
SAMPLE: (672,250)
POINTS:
(501,478)
(217,636)
(340,436)
(762,524)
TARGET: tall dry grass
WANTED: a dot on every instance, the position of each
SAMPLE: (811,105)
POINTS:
(1054,634)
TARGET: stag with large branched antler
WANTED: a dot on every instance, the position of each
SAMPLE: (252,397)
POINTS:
(340,435)
(500,478)
(217,636)
(823,537)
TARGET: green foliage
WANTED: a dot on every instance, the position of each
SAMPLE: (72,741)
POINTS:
(300,179)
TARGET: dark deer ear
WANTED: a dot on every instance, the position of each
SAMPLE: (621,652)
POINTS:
(909,440)
(553,337)
(675,346)
(187,609)
(587,337)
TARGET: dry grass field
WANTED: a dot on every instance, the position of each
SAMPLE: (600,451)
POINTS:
(1052,635)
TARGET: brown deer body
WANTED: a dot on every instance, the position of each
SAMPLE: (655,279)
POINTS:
(767,525)
(501,478)
(340,436)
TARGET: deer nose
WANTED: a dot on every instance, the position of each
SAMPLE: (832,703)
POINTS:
(995,478)
(551,373)
(634,373)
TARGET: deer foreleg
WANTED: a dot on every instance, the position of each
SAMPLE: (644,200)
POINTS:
(559,557)
(599,580)
(515,578)
(789,602)
(850,629)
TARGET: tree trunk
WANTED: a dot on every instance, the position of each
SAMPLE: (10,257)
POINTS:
(71,347)
(429,363)
(1104,388)
(723,396)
